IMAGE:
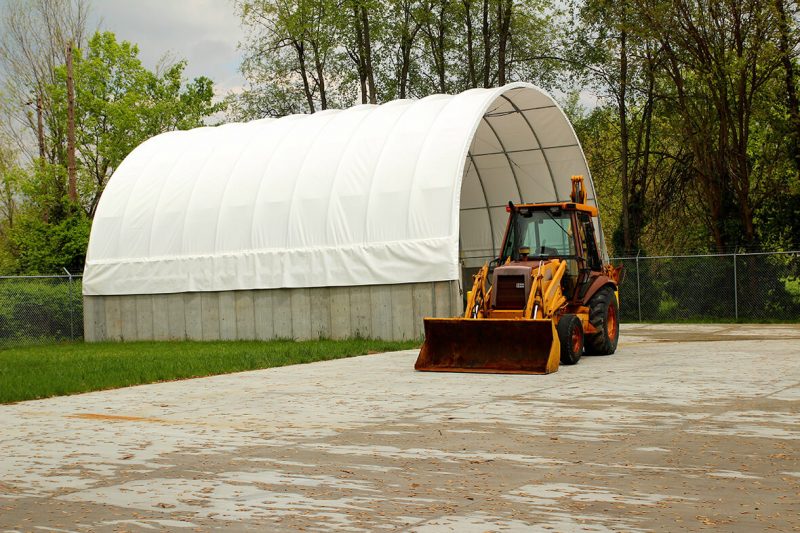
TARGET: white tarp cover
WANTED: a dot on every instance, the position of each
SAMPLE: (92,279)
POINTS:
(368,195)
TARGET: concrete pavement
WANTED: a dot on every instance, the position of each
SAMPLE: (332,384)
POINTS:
(684,428)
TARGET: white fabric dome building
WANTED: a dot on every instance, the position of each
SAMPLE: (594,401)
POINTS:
(393,199)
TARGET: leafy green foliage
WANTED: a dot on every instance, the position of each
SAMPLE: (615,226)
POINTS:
(120,104)
(40,311)
(699,103)
(43,247)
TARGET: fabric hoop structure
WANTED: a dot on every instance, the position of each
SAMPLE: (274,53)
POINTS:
(403,192)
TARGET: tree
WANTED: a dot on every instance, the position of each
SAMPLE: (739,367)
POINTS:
(10,178)
(120,104)
(407,21)
(787,48)
(288,47)
(35,37)
(438,37)
(45,232)
(304,55)
(702,120)
(622,66)
(720,57)
(362,16)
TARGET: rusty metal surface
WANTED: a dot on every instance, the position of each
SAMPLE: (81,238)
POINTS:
(685,428)
(495,346)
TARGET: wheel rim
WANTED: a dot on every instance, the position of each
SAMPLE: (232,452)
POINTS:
(613,324)
(577,340)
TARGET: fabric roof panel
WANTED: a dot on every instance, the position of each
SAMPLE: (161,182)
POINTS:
(370,195)
(499,180)
(517,134)
(547,122)
(533,175)
(472,194)
(525,99)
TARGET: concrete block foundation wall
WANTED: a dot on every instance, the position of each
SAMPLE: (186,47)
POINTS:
(391,312)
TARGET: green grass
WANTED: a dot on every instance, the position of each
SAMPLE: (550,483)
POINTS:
(43,371)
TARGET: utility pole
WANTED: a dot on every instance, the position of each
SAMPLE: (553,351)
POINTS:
(71,170)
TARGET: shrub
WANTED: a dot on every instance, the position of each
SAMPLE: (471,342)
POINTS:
(40,310)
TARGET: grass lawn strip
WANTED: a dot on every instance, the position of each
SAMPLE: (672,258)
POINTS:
(42,371)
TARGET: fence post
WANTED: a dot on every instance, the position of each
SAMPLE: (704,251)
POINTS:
(71,307)
(735,290)
(638,287)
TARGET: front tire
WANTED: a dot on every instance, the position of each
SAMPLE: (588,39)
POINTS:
(603,315)
(570,335)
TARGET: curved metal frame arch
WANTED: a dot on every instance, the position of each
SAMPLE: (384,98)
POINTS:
(536,138)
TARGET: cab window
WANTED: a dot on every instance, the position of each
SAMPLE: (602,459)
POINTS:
(589,242)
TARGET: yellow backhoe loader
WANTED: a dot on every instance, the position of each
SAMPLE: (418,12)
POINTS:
(551,297)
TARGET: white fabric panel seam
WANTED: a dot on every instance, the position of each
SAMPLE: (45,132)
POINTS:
(536,138)
(505,153)
(331,118)
(337,174)
(231,173)
(419,155)
(485,201)
(396,124)
(124,214)
(268,165)
(186,211)
(178,158)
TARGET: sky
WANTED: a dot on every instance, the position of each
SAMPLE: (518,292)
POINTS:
(203,32)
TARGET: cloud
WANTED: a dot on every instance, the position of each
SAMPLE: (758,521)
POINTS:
(204,32)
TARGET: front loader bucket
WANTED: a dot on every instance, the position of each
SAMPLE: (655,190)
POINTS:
(502,346)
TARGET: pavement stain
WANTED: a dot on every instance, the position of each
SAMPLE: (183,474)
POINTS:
(118,418)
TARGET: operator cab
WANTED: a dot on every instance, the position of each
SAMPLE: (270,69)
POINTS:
(541,232)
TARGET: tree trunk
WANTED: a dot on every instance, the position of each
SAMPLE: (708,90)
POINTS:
(368,70)
(787,60)
(406,44)
(405,68)
(487,45)
(72,189)
(440,42)
(301,60)
(359,56)
(320,70)
(9,204)
(504,8)
(40,126)
(435,34)
(623,139)
(637,211)
(473,81)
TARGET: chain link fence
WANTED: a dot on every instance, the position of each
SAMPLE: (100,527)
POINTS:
(691,288)
(707,288)
(40,309)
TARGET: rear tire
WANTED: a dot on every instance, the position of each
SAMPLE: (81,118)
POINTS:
(570,335)
(603,315)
